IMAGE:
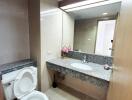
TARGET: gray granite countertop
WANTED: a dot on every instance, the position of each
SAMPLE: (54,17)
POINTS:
(98,70)
(9,67)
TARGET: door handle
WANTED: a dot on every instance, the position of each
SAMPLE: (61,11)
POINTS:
(111,49)
(107,67)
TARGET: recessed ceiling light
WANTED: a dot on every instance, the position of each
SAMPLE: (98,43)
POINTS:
(105,14)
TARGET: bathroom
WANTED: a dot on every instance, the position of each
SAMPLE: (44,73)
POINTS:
(63,48)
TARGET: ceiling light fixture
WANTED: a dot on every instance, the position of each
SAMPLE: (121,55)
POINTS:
(76,7)
(85,2)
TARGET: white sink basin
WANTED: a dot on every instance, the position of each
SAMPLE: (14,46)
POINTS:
(81,66)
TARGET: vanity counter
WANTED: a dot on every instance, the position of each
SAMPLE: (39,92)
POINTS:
(98,75)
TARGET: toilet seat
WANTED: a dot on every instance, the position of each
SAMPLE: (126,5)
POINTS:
(35,95)
(25,83)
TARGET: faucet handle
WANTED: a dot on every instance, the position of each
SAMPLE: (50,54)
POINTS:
(85,56)
(84,60)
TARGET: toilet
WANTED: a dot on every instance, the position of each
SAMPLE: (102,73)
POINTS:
(21,84)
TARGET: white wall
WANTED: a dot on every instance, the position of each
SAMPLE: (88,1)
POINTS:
(68,30)
(51,38)
(57,28)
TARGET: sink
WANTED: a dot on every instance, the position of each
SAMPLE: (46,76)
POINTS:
(81,66)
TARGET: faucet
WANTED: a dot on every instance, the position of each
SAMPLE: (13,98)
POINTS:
(84,60)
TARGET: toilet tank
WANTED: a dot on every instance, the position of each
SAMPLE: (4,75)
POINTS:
(8,83)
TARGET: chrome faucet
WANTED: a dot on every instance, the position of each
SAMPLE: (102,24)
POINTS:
(84,60)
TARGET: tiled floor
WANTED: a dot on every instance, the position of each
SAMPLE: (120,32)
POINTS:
(58,94)
(61,94)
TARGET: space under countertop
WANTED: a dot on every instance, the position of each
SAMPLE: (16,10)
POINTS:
(97,71)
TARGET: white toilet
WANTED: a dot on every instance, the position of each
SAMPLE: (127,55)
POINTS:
(21,84)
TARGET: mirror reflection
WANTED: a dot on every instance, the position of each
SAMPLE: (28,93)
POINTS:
(92,36)
(94,28)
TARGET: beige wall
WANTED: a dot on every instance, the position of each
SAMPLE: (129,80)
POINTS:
(34,29)
(14,30)
(85,35)
(51,37)
(68,30)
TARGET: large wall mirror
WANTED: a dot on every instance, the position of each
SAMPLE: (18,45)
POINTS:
(92,27)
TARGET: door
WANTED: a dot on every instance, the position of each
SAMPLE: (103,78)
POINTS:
(1,91)
(121,83)
(105,36)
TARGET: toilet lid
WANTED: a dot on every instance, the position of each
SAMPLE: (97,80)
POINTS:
(35,95)
(25,83)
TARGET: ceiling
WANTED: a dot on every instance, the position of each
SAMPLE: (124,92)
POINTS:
(95,12)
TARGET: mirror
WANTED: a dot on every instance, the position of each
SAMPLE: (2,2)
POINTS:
(91,28)
(93,36)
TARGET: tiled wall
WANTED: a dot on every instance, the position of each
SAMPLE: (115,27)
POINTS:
(91,58)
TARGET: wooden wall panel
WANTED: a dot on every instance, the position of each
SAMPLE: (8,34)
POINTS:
(121,83)
(1,92)
(34,34)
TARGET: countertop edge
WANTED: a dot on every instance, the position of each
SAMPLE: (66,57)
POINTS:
(78,71)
